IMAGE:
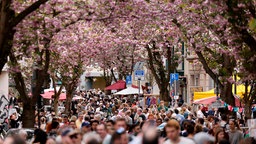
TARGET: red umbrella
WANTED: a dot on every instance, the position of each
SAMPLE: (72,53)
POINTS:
(134,86)
(117,86)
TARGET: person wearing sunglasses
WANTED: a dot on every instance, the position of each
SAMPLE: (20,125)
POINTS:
(119,137)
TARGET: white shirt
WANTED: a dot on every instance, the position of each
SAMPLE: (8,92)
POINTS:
(200,114)
(107,139)
(183,140)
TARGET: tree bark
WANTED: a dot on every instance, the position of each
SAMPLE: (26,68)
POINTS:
(247,110)
(227,95)
(249,97)
(164,94)
(28,115)
(68,102)
(56,96)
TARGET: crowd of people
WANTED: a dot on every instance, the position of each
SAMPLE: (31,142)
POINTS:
(101,119)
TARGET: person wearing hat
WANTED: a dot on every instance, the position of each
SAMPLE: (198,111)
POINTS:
(85,127)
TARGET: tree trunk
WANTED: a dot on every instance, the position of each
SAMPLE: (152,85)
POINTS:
(247,110)
(68,102)
(55,105)
(164,94)
(28,115)
(248,98)
(227,95)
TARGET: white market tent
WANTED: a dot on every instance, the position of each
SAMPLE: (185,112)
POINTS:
(129,91)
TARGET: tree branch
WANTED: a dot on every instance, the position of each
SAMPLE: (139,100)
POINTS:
(26,12)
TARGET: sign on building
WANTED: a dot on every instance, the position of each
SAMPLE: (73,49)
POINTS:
(139,75)
(217,104)
(174,77)
(128,80)
(252,127)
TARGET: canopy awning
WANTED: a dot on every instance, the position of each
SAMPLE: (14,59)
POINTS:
(129,91)
(119,85)
(49,94)
(207,94)
(212,99)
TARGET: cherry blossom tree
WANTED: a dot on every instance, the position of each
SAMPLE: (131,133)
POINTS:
(219,33)
(143,24)
(32,45)
(10,17)
(70,56)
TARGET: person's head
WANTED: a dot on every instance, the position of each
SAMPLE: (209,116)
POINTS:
(101,129)
(40,136)
(23,134)
(72,124)
(190,128)
(70,135)
(161,103)
(97,117)
(139,111)
(224,117)
(94,124)
(14,140)
(233,125)
(136,128)
(172,129)
(210,118)
(200,121)
(145,110)
(110,126)
(204,138)
(55,125)
(176,111)
(91,138)
(87,118)
(119,137)
(185,124)
(85,127)
(219,135)
(198,128)
(50,141)
(65,119)
(159,121)
(80,116)
(151,117)
(128,113)
(150,136)
(120,122)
